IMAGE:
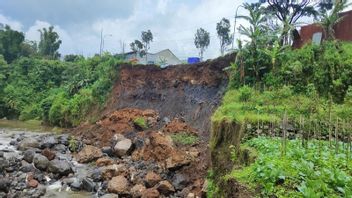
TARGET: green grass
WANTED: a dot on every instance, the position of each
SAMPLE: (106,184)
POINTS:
(311,172)
(184,138)
(141,122)
(246,105)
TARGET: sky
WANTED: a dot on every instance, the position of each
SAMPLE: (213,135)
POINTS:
(79,22)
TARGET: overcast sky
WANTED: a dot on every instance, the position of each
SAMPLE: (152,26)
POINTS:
(79,22)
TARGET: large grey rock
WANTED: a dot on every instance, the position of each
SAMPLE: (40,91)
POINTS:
(88,185)
(123,147)
(61,167)
(48,142)
(27,143)
(4,164)
(4,184)
(40,162)
(28,155)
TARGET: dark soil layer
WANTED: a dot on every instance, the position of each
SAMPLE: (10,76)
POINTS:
(191,92)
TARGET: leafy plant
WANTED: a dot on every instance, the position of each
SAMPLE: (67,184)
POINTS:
(141,123)
(184,138)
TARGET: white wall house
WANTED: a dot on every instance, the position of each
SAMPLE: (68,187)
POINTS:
(163,58)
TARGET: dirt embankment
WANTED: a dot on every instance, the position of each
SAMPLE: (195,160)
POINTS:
(177,99)
(190,92)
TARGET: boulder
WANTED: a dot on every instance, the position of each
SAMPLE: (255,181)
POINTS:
(61,167)
(40,162)
(88,185)
(48,142)
(4,184)
(176,161)
(4,164)
(137,190)
(151,179)
(151,193)
(32,183)
(28,155)
(107,150)
(123,147)
(63,139)
(60,148)
(111,171)
(118,185)
(48,154)
(88,154)
(104,161)
(165,187)
(27,143)
(180,181)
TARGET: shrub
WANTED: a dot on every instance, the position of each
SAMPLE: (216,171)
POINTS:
(141,123)
(183,138)
(245,93)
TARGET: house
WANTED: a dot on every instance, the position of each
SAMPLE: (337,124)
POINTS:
(314,33)
(163,58)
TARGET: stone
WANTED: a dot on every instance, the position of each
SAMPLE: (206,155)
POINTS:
(118,185)
(88,185)
(28,155)
(63,139)
(123,147)
(88,154)
(60,148)
(4,184)
(176,161)
(48,142)
(110,196)
(27,143)
(104,161)
(40,162)
(137,190)
(96,175)
(61,167)
(49,154)
(26,168)
(151,193)
(191,195)
(4,164)
(111,171)
(151,179)
(165,187)
(107,150)
(1,154)
(32,183)
(76,185)
(180,181)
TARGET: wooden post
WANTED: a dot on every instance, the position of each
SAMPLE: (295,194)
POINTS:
(330,130)
(284,128)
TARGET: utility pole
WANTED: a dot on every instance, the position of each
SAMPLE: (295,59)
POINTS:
(101,42)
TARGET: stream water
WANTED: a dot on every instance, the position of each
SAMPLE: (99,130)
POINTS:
(10,128)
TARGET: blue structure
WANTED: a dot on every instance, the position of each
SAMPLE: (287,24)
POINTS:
(193,60)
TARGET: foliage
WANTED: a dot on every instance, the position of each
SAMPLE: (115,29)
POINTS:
(184,138)
(141,123)
(304,172)
(137,47)
(60,93)
(289,12)
(11,42)
(73,144)
(223,30)
(147,37)
(49,43)
(201,41)
(330,19)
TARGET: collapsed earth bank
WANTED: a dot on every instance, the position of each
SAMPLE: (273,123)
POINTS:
(160,116)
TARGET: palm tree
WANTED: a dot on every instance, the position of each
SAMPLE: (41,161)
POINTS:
(330,19)
(274,53)
(254,32)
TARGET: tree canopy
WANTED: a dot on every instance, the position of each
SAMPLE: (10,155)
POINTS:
(202,41)
(49,43)
(223,30)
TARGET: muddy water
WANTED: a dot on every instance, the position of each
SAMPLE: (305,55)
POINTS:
(9,128)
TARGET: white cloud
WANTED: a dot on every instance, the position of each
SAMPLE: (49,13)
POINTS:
(15,25)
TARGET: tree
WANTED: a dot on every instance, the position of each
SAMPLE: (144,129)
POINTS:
(137,47)
(330,19)
(223,30)
(258,39)
(10,43)
(289,11)
(274,53)
(147,37)
(49,43)
(202,41)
